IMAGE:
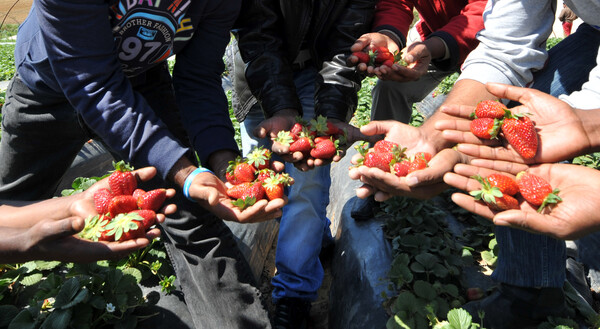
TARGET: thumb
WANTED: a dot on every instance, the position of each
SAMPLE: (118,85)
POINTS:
(529,221)
(261,130)
(56,229)
(377,127)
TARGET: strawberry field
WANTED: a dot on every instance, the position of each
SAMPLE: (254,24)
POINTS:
(440,254)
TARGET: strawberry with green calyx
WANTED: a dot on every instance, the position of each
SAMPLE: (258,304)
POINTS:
(401,168)
(275,186)
(384,146)
(519,131)
(417,162)
(148,217)
(138,192)
(122,204)
(94,226)
(259,158)
(382,54)
(240,171)
(485,128)
(326,149)
(263,174)
(506,184)
(299,126)
(247,190)
(102,199)
(399,58)
(493,196)
(379,160)
(285,138)
(323,127)
(362,56)
(121,181)
(303,144)
(490,109)
(126,226)
(536,190)
(152,200)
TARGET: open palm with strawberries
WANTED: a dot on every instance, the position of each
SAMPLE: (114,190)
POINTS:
(424,183)
(573,217)
(559,128)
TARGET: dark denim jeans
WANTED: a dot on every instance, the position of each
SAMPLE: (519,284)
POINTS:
(42,134)
(304,226)
(534,260)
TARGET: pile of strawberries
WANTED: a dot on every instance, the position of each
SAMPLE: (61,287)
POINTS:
(498,191)
(379,55)
(124,211)
(391,157)
(492,117)
(252,179)
(318,138)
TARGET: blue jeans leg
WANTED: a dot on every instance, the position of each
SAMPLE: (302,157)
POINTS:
(304,226)
(533,260)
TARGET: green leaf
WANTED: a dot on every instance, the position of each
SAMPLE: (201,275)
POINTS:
(58,319)
(7,314)
(97,302)
(439,270)
(424,289)
(23,320)
(427,260)
(82,316)
(32,279)
(417,268)
(134,272)
(488,257)
(459,318)
(81,296)
(46,265)
(67,292)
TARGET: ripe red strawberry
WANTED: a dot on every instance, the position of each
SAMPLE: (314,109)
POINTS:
(504,183)
(121,204)
(379,160)
(149,217)
(246,190)
(474,293)
(536,190)
(417,163)
(362,57)
(326,149)
(321,127)
(246,194)
(275,185)
(121,180)
(486,128)
(133,233)
(240,171)
(152,200)
(259,157)
(138,192)
(384,146)
(106,236)
(425,155)
(126,226)
(388,63)
(490,109)
(520,132)
(493,197)
(303,144)
(102,199)
(263,174)
(297,128)
(383,54)
(400,169)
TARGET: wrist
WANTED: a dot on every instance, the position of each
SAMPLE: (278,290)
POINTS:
(190,178)
(590,125)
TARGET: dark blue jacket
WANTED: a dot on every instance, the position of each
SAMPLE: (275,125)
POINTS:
(85,50)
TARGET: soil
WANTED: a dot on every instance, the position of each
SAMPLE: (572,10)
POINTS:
(14,11)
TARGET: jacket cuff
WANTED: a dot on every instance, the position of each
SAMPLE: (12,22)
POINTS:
(451,63)
(393,33)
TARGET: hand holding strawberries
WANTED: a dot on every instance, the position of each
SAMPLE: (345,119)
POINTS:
(364,44)
(415,61)
(561,133)
(571,218)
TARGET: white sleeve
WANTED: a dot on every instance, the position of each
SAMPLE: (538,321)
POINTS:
(588,98)
(513,42)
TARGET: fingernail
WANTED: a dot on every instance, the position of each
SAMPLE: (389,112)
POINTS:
(412,181)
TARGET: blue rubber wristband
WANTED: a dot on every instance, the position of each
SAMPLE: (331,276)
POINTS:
(189,179)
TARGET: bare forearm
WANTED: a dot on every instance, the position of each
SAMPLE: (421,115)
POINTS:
(27,214)
(590,119)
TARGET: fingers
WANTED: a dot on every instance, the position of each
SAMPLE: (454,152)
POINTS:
(501,90)
(144,174)
(468,203)
(377,127)
(532,222)
(461,111)
(502,166)
(57,229)
(487,152)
